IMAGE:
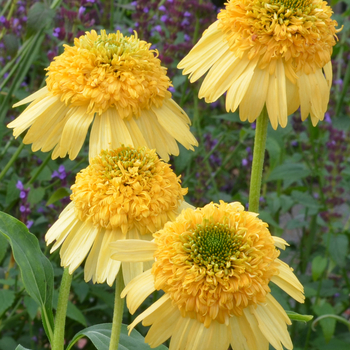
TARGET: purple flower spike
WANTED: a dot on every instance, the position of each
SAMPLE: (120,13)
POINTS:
(29,224)
(244,162)
(19,185)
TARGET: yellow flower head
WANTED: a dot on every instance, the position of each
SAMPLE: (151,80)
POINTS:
(270,52)
(116,82)
(214,265)
(109,70)
(124,193)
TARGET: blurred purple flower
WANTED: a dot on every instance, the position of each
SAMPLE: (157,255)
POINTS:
(146,10)
(56,32)
(19,185)
(161,8)
(163,18)
(2,19)
(29,224)
(171,89)
(327,118)
(244,162)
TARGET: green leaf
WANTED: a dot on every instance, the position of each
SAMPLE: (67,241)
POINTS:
(298,317)
(274,150)
(39,15)
(11,43)
(338,249)
(35,195)
(7,343)
(12,192)
(100,336)
(20,347)
(327,324)
(36,269)
(57,195)
(6,299)
(182,160)
(31,306)
(305,199)
(318,265)
(3,247)
(289,171)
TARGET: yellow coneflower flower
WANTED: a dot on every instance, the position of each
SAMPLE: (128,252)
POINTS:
(273,52)
(118,81)
(124,193)
(214,265)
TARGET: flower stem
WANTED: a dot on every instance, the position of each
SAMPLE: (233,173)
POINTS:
(258,160)
(118,312)
(11,161)
(60,320)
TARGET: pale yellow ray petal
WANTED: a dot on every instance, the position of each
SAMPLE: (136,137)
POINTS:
(162,329)
(28,117)
(65,220)
(320,105)
(238,89)
(100,135)
(288,288)
(106,268)
(276,101)
(132,250)
(238,341)
(206,337)
(255,97)
(150,310)
(39,133)
(54,136)
(280,242)
(74,132)
(138,290)
(181,330)
(293,101)
(135,133)
(131,270)
(176,109)
(173,124)
(36,95)
(77,245)
(272,325)
(195,331)
(156,136)
(120,133)
(250,329)
(305,92)
(329,73)
(221,76)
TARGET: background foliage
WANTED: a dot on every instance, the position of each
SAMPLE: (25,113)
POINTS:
(306,176)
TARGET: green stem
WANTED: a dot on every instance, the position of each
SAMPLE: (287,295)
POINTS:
(258,160)
(60,320)
(118,312)
(40,169)
(11,161)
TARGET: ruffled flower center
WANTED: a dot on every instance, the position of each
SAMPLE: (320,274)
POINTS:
(109,71)
(299,31)
(215,261)
(126,188)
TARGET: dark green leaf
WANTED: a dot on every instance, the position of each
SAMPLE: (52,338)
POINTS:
(36,195)
(319,263)
(3,247)
(39,15)
(100,336)
(338,249)
(36,269)
(305,199)
(31,307)
(11,43)
(182,160)
(274,150)
(289,171)
(6,299)
(57,195)
(7,343)
(327,324)
(20,347)
(12,192)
